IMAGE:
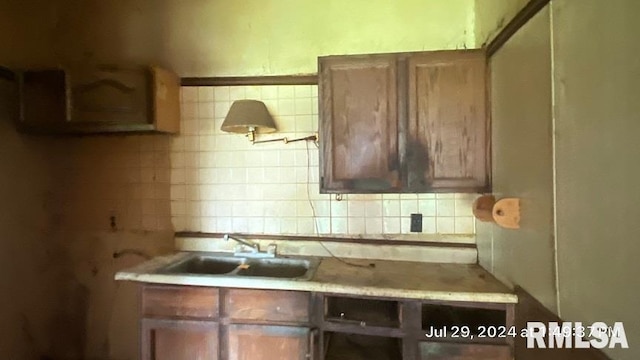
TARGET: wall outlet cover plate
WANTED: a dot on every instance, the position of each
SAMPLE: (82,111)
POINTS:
(416,223)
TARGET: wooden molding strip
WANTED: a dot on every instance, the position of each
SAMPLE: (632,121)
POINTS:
(309,79)
(331,239)
(529,11)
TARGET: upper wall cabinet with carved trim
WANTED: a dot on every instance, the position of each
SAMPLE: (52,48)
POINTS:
(99,100)
(405,122)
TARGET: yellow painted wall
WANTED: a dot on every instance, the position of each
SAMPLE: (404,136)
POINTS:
(255,37)
(597,114)
(491,16)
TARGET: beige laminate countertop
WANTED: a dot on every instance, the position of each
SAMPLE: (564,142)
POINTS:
(398,279)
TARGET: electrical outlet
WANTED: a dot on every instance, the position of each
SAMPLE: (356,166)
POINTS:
(416,223)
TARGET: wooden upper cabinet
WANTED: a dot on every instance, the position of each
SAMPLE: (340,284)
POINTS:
(359,112)
(99,99)
(447,133)
(405,122)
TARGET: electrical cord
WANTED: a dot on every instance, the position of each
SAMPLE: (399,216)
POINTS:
(315,218)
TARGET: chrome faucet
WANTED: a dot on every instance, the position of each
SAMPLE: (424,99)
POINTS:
(254,246)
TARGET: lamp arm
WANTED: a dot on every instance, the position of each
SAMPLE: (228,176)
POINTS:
(286,141)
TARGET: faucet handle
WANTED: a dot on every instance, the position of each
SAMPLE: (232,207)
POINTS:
(272,249)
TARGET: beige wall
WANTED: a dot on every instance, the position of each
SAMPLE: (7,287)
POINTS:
(254,37)
(110,311)
(597,152)
(594,134)
(523,161)
(56,266)
(32,261)
(94,179)
(56,255)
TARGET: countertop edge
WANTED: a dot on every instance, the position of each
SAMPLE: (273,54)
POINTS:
(314,286)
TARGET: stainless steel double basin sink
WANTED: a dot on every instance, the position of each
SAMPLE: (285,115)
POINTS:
(233,265)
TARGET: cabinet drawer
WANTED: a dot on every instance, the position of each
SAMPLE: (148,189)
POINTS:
(267,305)
(180,301)
(370,312)
(450,351)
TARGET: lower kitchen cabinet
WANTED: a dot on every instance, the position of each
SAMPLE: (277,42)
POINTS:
(208,323)
(346,346)
(268,342)
(172,339)
(358,327)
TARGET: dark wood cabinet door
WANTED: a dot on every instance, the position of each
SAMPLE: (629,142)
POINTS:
(447,137)
(359,124)
(111,95)
(43,98)
(268,342)
(164,339)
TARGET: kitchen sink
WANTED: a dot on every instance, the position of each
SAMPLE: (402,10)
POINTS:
(277,268)
(228,265)
(204,265)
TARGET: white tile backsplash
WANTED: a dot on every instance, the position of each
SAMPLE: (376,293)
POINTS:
(221,183)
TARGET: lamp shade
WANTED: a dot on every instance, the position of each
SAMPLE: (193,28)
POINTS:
(248,115)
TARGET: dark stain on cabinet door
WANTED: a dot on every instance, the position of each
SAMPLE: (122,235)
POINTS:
(404,123)
(359,131)
(447,141)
